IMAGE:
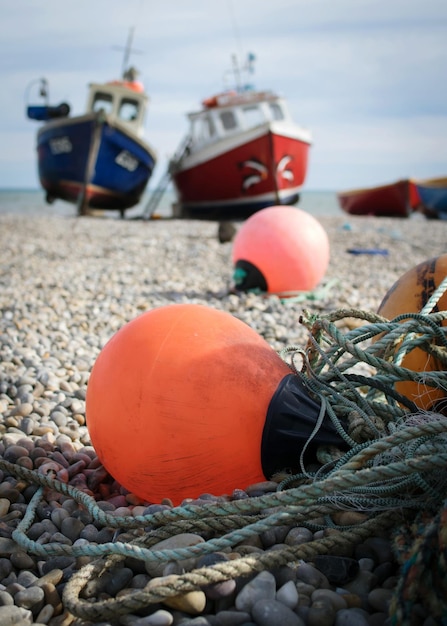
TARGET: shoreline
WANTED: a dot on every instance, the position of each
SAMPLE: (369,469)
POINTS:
(67,285)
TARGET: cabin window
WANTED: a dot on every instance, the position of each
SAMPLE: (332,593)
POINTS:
(228,120)
(204,129)
(276,111)
(253,116)
(102,101)
(128,110)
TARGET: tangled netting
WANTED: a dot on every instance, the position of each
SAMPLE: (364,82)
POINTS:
(394,472)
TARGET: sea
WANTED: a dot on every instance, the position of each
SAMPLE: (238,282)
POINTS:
(32,202)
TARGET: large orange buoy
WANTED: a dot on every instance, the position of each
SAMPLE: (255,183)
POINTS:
(185,399)
(409,294)
(280,249)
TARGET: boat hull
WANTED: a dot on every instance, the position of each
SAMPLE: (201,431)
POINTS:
(433,197)
(398,199)
(93,161)
(236,177)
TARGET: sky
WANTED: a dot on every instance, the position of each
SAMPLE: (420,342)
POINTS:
(366,77)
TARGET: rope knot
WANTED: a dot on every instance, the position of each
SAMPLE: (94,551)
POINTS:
(361,430)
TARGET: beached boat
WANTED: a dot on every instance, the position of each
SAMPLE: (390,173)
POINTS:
(98,159)
(242,153)
(397,199)
(433,197)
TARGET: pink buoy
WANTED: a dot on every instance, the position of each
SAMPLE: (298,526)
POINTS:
(280,249)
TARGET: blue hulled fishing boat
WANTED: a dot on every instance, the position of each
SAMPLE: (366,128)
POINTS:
(98,159)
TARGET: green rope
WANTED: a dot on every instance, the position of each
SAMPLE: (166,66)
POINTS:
(305,501)
(170,586)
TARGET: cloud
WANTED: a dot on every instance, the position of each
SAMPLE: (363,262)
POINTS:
(365,76)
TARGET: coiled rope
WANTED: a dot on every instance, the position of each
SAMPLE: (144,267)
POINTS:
(395,468)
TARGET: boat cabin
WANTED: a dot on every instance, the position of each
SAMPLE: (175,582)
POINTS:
(232,113)
(123,100)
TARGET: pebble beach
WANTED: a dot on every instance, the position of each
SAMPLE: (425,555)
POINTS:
(67,285)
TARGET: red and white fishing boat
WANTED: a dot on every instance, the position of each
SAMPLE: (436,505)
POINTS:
(242,153)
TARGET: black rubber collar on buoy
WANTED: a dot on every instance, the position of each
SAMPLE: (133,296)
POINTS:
(291,418)
(250,277)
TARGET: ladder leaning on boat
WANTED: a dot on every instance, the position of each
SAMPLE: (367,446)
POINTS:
(157,194)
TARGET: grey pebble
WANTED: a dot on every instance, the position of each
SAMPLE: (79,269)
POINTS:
(182,540)
(337,569)
(366,564)
(61,538)
(268,612)
(28,598)
(274,535)
(72,527)
(38,528)
(15,616)
(13,453)
(139,581)
(321,613)
(232,618)
(6,599)
(328,595)
(5,567)
(384,571)
(45,614)
(160,617)
(288,595)
(217,590)
(380,599)
(298,535)
(381,548)
(263,586)
(22,560)
(57,562)
(362,583)
(196,621)
(309,574)
(26,578)
(351,617)
(90,533)
(118,580)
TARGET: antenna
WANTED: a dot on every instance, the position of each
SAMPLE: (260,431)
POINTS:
(128,49)
(238,69)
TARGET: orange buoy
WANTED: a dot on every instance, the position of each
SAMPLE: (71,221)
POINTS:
(280,249)
(409,294)
(185,399)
